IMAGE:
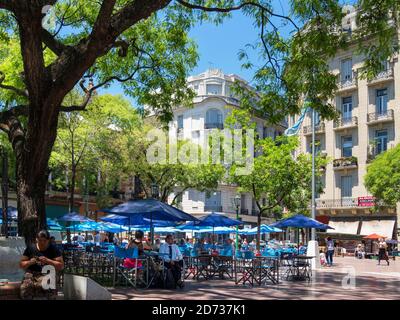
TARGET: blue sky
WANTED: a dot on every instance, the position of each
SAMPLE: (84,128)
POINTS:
(218,46)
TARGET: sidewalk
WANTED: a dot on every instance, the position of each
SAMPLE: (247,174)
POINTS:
(371,282)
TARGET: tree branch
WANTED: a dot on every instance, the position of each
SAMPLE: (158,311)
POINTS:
(7,87)
(52,43)
(238,7)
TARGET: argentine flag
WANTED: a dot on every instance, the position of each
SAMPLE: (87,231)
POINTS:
(296,127)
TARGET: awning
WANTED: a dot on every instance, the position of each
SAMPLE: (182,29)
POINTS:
(322,219)
(346,227)
(382,227)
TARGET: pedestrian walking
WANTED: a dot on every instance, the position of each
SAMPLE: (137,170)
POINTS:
(330,249)
(383,255)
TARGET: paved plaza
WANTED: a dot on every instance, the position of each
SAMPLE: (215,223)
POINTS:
(371,282)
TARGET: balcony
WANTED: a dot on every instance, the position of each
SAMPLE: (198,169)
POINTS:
(347,84)
(254,212)
(214,125)
(379,117)
(337,203)
(345,163)
(211,208)
(383,76)
(244,211)
(320,128)
(342,203)
(345,123)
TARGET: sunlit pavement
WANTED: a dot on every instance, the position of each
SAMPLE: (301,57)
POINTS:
(370,281)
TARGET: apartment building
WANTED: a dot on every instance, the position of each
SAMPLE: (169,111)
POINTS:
(369,124)
(213,102)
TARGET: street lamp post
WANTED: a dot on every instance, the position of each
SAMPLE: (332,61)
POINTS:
(155,194)
(237,204)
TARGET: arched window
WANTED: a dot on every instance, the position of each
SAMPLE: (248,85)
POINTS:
(214,119)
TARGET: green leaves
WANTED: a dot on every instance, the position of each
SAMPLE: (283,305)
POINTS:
(383,176)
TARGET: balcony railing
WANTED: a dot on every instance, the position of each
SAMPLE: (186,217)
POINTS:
(214,125)
(320,128)
(337,203)
(212,208)
(345,163)
(347,84)
(254,212)
(347,122)
(342,203)
(244,211)
(230,100)
(384,75)
(380,116)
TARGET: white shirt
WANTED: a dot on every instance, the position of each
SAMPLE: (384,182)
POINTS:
(97,238)
(176,253)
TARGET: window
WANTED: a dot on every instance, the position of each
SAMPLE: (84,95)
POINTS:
(346,70)
(265,132)
(214,119)
(381,101)
(180,122)
(347,146)
(384,65)
(213,201)
(317,146)
(346,186)
(381,140)
(214,89)
(347,107)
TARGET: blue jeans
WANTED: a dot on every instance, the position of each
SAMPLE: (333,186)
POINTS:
(329,257)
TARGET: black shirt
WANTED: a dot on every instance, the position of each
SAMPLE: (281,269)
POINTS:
(32,251)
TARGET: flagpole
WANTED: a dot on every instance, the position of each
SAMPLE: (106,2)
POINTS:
(313,235)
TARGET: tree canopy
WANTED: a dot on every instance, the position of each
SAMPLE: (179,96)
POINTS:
(383,176)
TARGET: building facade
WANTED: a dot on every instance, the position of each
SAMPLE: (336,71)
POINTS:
(213,102)
(369,124)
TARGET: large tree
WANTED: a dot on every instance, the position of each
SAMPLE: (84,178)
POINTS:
(144,44)
(383,176)
(278,180)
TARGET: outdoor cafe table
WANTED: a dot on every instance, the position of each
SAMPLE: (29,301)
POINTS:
(208,265)
(299,268)
(258,269)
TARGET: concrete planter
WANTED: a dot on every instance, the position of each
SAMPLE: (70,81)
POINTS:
(11,250)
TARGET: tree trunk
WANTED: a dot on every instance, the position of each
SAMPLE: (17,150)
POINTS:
(31,205)
(72,188)
(258,230)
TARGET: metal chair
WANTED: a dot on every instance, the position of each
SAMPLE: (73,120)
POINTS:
(127,273)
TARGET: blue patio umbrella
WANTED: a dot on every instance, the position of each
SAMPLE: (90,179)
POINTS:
(263,230)
(12,213)
(216,219)
(74,217)
(136,220)
(300,221)
(150,209)
(53,225)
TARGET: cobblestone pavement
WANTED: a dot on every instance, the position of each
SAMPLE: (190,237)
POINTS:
(371,281)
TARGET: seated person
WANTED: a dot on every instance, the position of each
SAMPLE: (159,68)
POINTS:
(322,258)
(199,247)
(173,259)
(35,256)
(157,244)
(141,245)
